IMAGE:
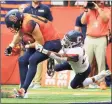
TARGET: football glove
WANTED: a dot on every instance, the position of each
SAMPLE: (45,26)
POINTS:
(8,51)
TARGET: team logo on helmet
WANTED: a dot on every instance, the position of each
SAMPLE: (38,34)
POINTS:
(13,18)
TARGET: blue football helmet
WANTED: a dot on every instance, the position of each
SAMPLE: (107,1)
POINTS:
(72,39)
(14,19)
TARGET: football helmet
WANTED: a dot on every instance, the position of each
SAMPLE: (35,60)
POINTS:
(72,39)
(14,19)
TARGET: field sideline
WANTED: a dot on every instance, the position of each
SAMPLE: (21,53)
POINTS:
(60,95)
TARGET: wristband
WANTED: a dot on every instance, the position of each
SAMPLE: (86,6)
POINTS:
(12,45)
(44,51)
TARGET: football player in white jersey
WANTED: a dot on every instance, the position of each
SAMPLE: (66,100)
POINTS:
(73,57)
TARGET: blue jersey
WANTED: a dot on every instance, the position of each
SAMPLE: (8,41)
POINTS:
(41,10)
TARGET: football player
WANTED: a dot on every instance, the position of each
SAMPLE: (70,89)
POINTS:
(42,32)
(73,56)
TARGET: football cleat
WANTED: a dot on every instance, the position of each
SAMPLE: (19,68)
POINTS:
(105,73)
(20,93)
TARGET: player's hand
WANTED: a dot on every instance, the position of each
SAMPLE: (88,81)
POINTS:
(39,47)
(8,51)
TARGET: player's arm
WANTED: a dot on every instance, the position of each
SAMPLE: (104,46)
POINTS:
(103,14)
(16,39)
(62,58)
(54,55)
(34,30)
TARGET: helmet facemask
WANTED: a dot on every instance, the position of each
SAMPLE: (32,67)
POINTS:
(79,42)
(66,43)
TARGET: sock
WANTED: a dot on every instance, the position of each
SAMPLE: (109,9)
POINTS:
(87,81)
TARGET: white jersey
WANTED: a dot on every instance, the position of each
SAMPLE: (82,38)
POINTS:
(82,64)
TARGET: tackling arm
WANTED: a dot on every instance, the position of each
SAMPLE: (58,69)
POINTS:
(59,57)
(16,39)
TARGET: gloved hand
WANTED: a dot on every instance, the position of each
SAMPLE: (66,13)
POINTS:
(8,51)
(39,47)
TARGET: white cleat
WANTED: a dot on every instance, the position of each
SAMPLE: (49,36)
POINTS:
(31,85)
(105,73)
(26,95)
(36,86)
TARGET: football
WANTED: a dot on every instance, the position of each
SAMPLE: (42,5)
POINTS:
(27,39)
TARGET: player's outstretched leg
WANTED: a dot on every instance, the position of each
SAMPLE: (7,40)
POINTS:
(96,78)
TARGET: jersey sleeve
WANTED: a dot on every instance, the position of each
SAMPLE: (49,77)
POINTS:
(78,23)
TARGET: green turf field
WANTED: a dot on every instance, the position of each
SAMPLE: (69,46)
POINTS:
(60,95)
